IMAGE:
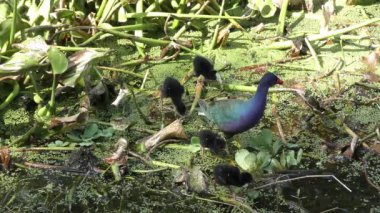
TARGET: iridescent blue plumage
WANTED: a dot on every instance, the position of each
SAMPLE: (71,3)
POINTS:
(236,116)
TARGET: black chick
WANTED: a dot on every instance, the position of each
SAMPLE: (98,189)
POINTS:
(227,175)
(212,141)
(174,90)
(202,66)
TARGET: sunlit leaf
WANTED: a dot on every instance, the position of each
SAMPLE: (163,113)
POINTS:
(58,60)
(245,160)
(78,64)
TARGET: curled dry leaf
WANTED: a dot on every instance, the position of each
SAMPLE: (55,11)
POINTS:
(5,157)
(68,122)
(173,130)
(120,155)
(223,35)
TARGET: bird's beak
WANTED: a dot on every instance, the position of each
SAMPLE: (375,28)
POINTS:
(279,81)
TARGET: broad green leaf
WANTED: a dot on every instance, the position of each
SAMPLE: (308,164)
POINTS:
(240,158)
(263,159)
(65,13)
(90,131)
(290,158)
(246,160)
(263,141)
(276,164)
(276,147)
(74,137)
(80,62)
(108,132)
(58,60)
(299,156)
(250,162)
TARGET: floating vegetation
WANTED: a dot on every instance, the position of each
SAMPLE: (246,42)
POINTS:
(86,124)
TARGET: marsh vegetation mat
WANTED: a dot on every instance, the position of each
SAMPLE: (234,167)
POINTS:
(88,124)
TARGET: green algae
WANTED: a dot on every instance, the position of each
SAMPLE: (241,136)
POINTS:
(155,191)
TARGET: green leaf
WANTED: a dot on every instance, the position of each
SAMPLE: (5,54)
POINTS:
(37,98)
(108,132)
(87,143)
(263,141)
(240,158)
(250,162)
(292,145)
(283,159)
(65,13)
(58,60)
(90,131)
(276,164)
(74,137)
(253,194)
(276,147)
(299,156)
(80,63)
(263,159)
(290,158)
(246,160)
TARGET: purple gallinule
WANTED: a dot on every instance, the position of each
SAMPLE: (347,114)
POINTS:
(174,90)
(202,66)
(235,116)
(227,175)
(211,140)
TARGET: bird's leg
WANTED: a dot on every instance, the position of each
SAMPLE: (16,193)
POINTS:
(214,185)
(232,192)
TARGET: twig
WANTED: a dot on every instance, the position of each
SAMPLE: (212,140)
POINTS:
(142,115)
(158,145)
(162,164)
(281,61)
(354,141)
(163,14)
(330,210)
(134,154)
(313,54)
(121,70)
(288,44)
(304,177)
(278,122)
